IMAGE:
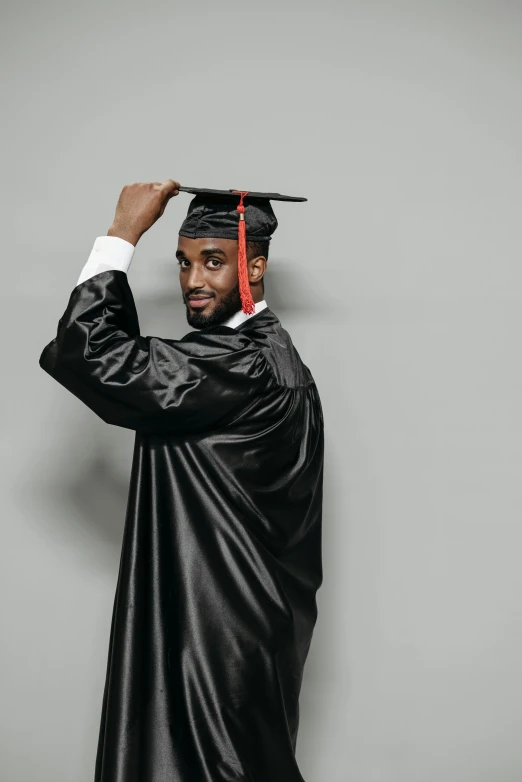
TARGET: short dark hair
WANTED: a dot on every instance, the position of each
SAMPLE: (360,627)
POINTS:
(257,248)
(253,249)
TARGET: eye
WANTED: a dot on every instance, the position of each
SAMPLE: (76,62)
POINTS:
(181,261)
(215,260)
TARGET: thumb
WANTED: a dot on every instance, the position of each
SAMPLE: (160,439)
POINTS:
(170,187)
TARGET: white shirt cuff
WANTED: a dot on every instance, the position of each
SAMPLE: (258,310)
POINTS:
(108,253)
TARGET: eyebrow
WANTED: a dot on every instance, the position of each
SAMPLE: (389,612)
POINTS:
(209,251)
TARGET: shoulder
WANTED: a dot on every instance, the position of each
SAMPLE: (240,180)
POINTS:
(286,364)
(218,340)
(217,351)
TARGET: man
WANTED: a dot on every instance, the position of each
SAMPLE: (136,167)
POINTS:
(221,557)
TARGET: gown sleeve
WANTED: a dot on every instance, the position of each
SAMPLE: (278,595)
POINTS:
(204,380)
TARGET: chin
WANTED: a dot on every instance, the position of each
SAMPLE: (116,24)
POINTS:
(199,320)
(221,311)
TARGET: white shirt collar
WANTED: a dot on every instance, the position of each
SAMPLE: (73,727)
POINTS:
(241,316)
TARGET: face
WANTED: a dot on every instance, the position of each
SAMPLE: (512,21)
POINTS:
(209,281)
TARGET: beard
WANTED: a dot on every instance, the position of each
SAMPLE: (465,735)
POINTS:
(228,306)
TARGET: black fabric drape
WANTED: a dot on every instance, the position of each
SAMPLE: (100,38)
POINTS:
(215,604)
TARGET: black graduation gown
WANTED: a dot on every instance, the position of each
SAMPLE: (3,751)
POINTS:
(221,556)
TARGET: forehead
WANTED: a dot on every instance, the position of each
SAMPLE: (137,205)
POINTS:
(196,247)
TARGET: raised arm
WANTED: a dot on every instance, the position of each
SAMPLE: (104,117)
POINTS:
(149,384)
(145,383)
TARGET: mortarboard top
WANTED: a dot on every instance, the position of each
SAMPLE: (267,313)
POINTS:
(233,214)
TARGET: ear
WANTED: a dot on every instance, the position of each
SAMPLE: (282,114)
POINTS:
(256,268)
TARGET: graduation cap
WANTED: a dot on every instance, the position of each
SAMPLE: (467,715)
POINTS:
(233,214)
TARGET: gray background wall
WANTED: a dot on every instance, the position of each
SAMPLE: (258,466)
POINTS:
(400,282)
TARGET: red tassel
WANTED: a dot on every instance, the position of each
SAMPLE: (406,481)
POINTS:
(247,302)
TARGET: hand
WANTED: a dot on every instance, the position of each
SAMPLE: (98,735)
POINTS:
(139,206)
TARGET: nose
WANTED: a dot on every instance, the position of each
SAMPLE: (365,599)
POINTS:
(195,279)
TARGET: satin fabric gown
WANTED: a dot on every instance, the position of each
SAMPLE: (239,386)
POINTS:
(221,556)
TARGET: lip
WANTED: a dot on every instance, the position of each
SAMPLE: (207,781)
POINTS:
(199,303)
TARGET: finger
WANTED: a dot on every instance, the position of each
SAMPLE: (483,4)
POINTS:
(171,187)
